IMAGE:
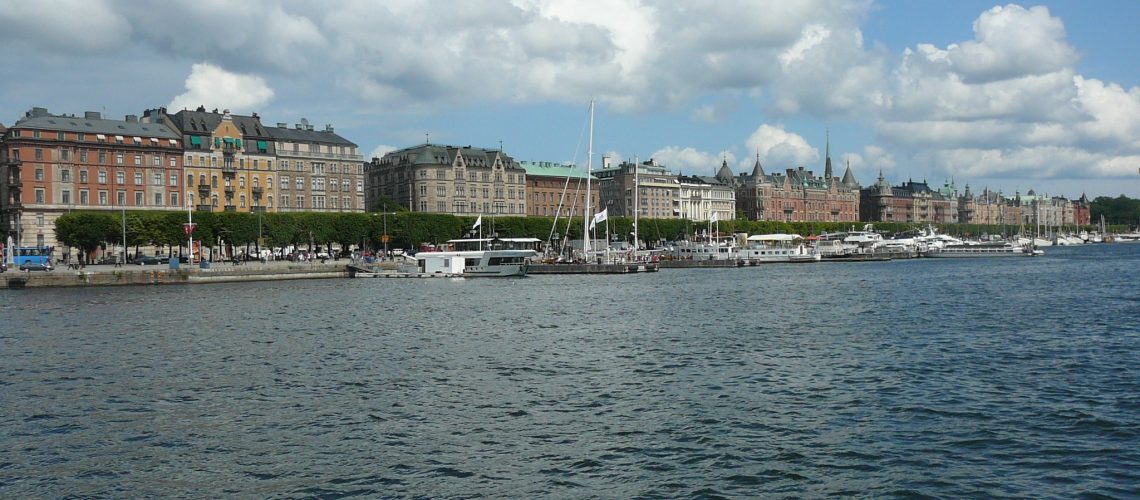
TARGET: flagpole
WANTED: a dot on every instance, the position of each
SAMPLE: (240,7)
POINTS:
(636,201)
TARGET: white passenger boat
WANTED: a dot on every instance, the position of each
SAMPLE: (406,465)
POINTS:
(484,257)
(984,250)
(765,248)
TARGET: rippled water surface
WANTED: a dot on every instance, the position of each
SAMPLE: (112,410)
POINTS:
(945,378)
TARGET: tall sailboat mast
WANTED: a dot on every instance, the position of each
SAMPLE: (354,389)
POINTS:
(636,205)
(589,166)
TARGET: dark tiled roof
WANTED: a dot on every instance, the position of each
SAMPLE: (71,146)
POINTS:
(62,123)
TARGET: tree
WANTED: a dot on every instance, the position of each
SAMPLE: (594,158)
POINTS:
(86,231)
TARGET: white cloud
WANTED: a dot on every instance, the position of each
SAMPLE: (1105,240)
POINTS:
(692,162)
(779,149)
(1011,42)
(380,151)
(213,87)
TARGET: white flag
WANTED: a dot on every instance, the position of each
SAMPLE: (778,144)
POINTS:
(478,222)
(601,216)
(713,219)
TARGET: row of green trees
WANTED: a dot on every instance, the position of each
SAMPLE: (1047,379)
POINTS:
(1121,212)
(89,231)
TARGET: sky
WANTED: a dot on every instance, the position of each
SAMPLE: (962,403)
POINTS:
(1010,97)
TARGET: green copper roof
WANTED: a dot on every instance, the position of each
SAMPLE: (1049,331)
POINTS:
(551,169)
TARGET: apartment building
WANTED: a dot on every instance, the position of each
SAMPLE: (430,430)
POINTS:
(555,189)
(318,170)
(53,164)
(448,180)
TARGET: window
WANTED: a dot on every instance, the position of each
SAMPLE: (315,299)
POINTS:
(80,136)
(440,191)
(241,201)
(156,178)
(39,152)
(241,182)
(40,195)
(174,199)
(300,202)
(423,206)
(84,197)
(121,197)
(284,183)
(173,162)
(156,160)
(102,157)
(270,201)
(83,176)
(174,180)
(118,158)
(103,198)
(157,199)
(285,201)
(360,186)
(423,190)
(139,179)
(65,154)
(441,206)
(214,181)
(83,155)
(214,201)
(65,196)
(300,184)
(102,177)
(39,173)
(139,198)
(284,164)
(120,177)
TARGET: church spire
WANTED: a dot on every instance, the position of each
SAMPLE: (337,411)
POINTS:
(757,170)
(827,171)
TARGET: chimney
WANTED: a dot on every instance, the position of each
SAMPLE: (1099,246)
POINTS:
(282,125)
(92,115)
(132,118)
(37,112)
(328,127)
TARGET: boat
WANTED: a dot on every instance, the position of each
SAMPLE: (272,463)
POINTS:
(778,247)
(1004,249)
(480,257)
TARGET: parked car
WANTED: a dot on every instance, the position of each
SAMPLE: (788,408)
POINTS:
(145,260)
(35,266)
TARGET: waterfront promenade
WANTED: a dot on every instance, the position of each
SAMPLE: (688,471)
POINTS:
(162,274)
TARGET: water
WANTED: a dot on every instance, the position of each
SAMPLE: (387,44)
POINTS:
(940,378)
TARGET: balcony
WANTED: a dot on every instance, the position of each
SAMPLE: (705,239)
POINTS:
(231,208)
(15,183)
(256,190)
(257,208)
(204,189)
(202,208)
(229,190)
(229,170)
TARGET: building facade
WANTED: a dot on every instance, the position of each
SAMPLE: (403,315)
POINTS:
(557,190)
(318,170)
(58,163)
(448,180)
(225,158)
(797,195)
(658,193)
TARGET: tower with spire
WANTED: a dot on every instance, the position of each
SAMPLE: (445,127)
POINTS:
(828,174)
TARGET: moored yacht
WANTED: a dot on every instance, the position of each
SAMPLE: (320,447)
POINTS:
(1004,249)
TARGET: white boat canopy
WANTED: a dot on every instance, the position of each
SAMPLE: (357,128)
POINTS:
(775,237)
